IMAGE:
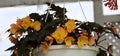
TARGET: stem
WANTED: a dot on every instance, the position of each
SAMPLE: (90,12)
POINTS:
(101,41)
(102,47)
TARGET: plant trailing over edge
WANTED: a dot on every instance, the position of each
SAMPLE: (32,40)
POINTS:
(38,31)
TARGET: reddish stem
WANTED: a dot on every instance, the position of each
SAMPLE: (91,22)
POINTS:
(112,4)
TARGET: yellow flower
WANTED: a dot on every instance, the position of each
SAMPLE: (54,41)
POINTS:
(14,28)
(44,47)
(70,25)
(13,40)
(26,22)
(36,25)
(68,40)
(19,22)
(60,34)
(82,40)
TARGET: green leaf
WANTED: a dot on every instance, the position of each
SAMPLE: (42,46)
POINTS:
(12,48)
(59,12)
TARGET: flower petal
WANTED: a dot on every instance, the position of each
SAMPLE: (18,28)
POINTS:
(70,25)
(37,25)
(91,40)
(59,35)
(68,41)
(82,40)
(26,22)
(50,39)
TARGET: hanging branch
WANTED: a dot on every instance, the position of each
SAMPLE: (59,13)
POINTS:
(112,4)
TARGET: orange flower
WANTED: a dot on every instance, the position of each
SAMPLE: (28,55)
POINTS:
(36,25)
(14,28)
(82,40)
(91,40)
(59,34)
(26,22)
(44,47)
(70,25)
(49,38)
(68,40)
(19,22)
(13,40)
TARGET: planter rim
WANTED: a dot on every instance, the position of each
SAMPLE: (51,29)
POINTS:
(60,47)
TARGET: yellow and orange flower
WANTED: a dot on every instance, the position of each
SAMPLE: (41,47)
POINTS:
(19,22)
(69,40)
(36,25)
(50,39)
(14,28)
(70,25)
(82,41)
(60,35)
(91,40)
(26,22)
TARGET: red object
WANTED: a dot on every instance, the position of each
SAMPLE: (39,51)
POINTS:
(112,4)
